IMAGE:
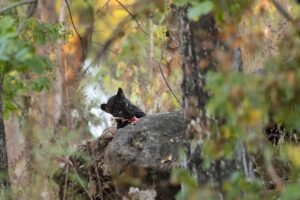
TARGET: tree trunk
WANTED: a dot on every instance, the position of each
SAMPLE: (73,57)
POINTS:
(199,42)
(4,176)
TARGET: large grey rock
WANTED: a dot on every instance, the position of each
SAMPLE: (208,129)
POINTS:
(146,151)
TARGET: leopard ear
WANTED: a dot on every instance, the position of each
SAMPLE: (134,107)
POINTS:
(121,93)
(103,107)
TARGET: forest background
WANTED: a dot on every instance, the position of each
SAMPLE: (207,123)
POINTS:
(59,60)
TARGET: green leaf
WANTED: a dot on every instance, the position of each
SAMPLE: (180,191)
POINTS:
(23,53)
(36,64)
(200,9)
(180,2)
(41,38)
(41,83)
(290,192)
(6,23)
(183,176)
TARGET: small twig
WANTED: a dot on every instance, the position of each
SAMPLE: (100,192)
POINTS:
(80,183)
(30,13)
(114,35)
(80,38)
(67,160)
(16,5)
(159,66)
(132,16)
(282,11)
(97,171)
(31,9)
(66,182)
(274,176)
(100,9)
(102,45)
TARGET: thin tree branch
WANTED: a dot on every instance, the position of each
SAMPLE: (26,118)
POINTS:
(99,10)
(96,170)
(16,5)
(116,33)
(132,16)
(159,66)
(282,11)
(32,9)
(106,48)
(79,36)
(102,45)
(30,13)
(274,176)
(67,160)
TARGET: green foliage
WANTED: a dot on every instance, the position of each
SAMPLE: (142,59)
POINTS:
(236,186)
(200,9)
(18,57)
(183,176)
(43,32)
(16,53)
(224,11)
(291,192)
(244,101)
(244,104)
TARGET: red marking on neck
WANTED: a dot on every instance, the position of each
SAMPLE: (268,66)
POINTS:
(133,119)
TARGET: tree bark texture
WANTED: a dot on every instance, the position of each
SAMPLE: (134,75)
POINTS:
(198,43)
(4,176)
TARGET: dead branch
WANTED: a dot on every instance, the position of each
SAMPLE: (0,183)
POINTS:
(274,176)
(169,87)
(102,45)
(21,3)
(116,33)
(96,170)
(282,11)
(133,16)
(79,36)
(99,10)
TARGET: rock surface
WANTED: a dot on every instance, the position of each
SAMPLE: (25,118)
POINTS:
(145,153)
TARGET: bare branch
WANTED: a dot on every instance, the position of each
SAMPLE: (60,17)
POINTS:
(96,169)
(282,11)
(133,16)
(102,45)
(22,3)
(159,65)
(99,10)
(116,33)
(274,176)
(31,10)
(79,36)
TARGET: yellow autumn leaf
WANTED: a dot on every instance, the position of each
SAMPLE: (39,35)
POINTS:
(13,73)
(18,113)
(293,153)
(225,131)
(70,47)
(255,116)
(52,56)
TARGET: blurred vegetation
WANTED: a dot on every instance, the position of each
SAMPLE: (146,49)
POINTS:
(136,45)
